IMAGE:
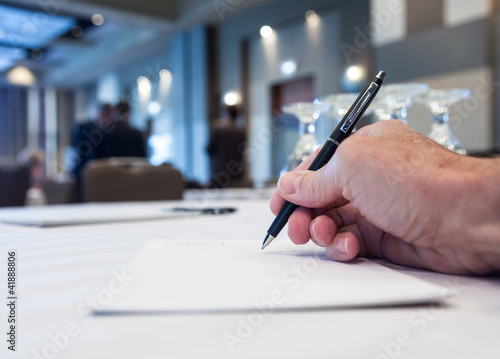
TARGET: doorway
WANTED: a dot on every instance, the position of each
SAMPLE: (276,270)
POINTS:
(286,126)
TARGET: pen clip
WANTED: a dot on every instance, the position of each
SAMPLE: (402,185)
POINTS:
(360,106)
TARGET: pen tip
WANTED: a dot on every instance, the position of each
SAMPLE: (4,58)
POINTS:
(267,240)
(381,75)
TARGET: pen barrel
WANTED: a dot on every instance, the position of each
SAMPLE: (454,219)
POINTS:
(324,156)
(282,218)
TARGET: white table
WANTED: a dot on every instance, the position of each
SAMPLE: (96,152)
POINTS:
(61,269)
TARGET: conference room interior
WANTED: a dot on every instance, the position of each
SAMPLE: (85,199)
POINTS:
(159,255)
(178,64)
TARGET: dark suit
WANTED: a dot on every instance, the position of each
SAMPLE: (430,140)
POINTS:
(226,154)
(121,141)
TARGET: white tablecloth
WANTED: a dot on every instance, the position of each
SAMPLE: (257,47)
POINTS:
(62,270)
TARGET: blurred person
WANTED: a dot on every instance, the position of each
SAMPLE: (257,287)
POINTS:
(34,160)
(122,140)
(85,139)
(226,147)
(391,192)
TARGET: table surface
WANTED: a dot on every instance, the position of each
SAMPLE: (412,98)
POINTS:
(62,270)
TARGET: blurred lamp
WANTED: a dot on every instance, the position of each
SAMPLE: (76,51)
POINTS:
(21,76)
(154,108)
(289,67)
(266,31)
(355,73)
(232,98)
(354,78)
(312,17)
(97,19)
(165,75)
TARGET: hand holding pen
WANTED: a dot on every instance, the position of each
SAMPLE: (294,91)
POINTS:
(343,130)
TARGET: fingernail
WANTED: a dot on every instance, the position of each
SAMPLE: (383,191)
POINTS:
(341,245)
(314,237)
(289,182)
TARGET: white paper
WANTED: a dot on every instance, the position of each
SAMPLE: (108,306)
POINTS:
(63,215)
(172,276)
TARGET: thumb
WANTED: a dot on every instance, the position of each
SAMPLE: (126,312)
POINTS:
(310,189)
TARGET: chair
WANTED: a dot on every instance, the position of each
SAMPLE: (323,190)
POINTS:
(14,183)
(129,179)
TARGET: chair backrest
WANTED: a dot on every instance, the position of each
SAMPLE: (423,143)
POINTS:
(113,180)
(14,183)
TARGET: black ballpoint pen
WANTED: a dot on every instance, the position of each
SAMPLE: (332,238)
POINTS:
(342,131)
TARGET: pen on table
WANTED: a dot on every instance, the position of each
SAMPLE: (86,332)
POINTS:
(343,130)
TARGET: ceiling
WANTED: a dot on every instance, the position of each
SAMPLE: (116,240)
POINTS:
(132,30)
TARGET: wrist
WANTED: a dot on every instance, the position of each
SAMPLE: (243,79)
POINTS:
(476,208)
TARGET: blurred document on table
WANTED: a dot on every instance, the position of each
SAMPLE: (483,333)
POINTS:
(65,215)
(186,276)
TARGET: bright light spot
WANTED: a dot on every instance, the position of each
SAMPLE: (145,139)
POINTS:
(266,31)
(312,17)
(2,33)
(355,73)
(144,88)
(154,108)
(232,98)
(21,76)
(289,67)
(165,75)
(144,83)
(97,19)
(161,147)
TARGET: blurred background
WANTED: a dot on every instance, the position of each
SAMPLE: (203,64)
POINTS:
(178,64)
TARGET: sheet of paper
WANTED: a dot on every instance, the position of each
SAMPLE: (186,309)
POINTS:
(174,276)
(50,216)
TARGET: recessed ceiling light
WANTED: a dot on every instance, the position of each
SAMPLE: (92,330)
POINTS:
(289,67)
(21,76)
(97,19)
(165,75)
(154,108)
(232,98)
(266,31)
(37,54)
(312,17)
(77,31)
(355,73)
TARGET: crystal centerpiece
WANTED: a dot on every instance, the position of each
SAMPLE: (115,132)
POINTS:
(307,113)
(393,100)
(439,102)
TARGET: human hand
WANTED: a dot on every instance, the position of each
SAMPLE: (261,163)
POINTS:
(390,192)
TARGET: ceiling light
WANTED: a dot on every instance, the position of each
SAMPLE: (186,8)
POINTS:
(154,108)
(36,54)
(21,76)
(289,67)
(165,75)
(77,31)
(232,98)
(355,73)
(97,19)
(312,17)
(266,31)
(144,83)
